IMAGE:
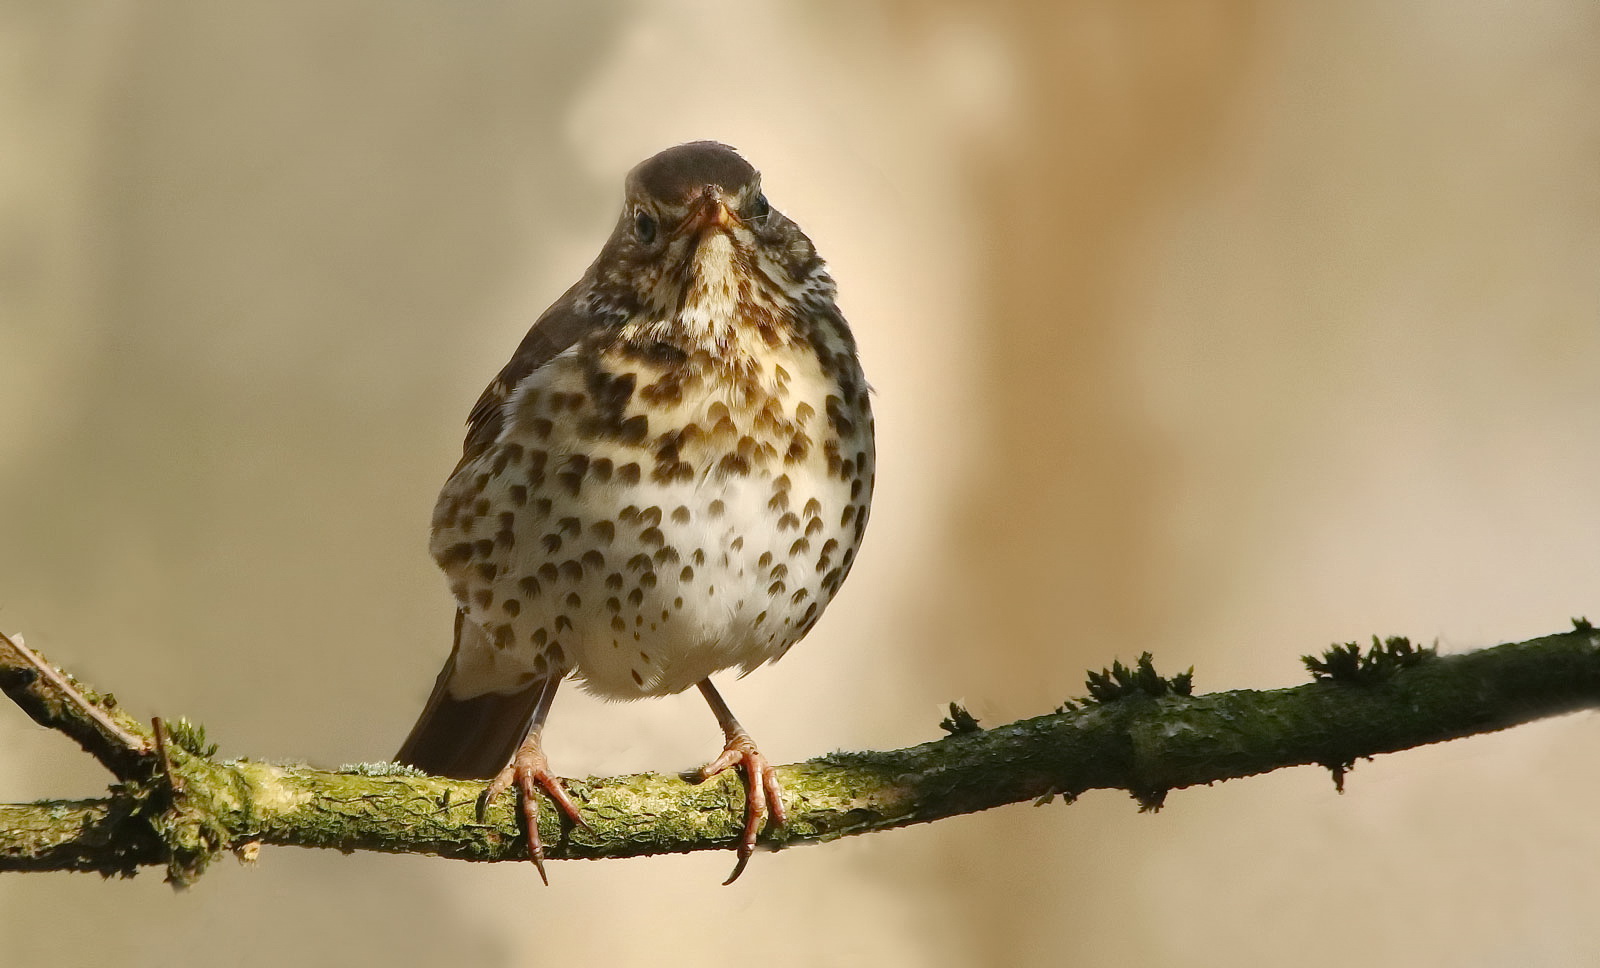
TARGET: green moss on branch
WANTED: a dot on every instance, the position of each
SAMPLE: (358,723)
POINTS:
(1138,742)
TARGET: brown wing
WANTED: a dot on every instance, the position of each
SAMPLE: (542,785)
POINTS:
(557,329)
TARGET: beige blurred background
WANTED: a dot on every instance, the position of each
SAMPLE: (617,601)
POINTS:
(1219,329)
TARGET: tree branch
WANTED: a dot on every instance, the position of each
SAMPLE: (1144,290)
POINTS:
(53,699)
(1141,733)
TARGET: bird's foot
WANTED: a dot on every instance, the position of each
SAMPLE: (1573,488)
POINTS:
(530,772)
(763,796)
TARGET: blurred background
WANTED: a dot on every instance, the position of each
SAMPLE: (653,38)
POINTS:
(1225,330)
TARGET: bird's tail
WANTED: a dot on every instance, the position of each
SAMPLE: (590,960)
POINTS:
(468,739)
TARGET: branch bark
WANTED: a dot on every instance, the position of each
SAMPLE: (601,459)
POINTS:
(180,808)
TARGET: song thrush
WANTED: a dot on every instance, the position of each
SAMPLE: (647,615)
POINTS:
(670,478)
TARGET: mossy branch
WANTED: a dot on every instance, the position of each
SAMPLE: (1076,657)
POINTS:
(175,806)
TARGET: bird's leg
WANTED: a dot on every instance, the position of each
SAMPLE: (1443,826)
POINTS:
(530,771)
(762,795)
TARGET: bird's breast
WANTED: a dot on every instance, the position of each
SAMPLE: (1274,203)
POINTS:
(652,515)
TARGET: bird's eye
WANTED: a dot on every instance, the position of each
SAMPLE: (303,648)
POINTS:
(644,226)
(759,209)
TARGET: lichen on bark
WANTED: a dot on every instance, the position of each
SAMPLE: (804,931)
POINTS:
(173,805)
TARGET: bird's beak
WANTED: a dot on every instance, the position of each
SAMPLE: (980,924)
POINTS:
(710,211)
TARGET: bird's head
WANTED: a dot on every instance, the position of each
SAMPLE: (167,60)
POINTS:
(697,235)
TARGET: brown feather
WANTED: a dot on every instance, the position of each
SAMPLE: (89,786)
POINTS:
(468,739)
(556,329)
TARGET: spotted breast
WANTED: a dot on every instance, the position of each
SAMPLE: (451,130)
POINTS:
(655,511)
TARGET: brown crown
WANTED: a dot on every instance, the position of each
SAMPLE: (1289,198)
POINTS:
(683,171)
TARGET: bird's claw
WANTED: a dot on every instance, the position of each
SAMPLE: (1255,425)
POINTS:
(763,796)
(530,772)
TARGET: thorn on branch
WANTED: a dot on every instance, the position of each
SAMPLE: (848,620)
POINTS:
(1582,624)
(1347,663)
(174,781)
(959,721)
(180,824)
(1122,682)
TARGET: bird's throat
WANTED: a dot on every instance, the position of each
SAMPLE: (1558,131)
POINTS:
(726,304)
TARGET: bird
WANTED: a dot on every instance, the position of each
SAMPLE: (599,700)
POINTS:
(670,478)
